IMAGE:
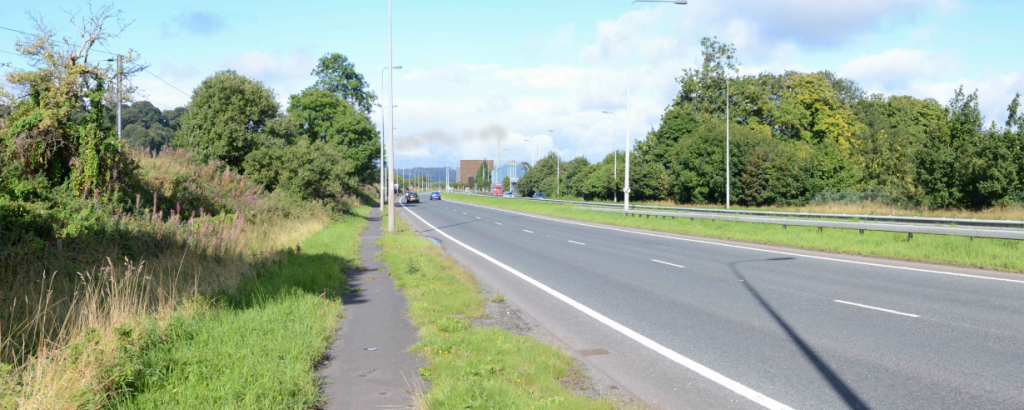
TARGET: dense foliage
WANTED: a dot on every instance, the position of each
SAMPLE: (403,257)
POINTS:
(796,137)
(226,118)
(145,127)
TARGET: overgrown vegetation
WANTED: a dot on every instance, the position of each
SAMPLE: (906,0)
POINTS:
(253,347)
(107,254)
(795,137)
(471,366)
(985,253)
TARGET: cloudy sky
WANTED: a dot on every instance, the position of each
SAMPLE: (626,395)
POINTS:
(479,71)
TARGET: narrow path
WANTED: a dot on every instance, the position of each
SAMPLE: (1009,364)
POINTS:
(358,378)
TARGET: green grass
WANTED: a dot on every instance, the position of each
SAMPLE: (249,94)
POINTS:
(472,367)
(998,254)
(253,348)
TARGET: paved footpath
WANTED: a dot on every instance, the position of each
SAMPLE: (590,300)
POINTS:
(357,378)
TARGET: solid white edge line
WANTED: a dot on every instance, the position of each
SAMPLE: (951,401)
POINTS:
(752,395)
(875,308)
(751,248)
(669,264)
(527,231)
(578,243)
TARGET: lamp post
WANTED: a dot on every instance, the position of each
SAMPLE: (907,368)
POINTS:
(615,156)
(629,71)
(558,165)
(391,102)
(383,180)
(727,142)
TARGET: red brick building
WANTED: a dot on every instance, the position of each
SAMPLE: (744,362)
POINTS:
(468,168)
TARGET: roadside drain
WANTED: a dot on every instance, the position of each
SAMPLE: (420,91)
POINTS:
(593,352)
(437,242)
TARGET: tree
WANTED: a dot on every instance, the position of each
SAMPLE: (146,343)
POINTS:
(506,184)
(55,135)
(226,118)
(483,176)
(323,116)
(703,89)
(335,74)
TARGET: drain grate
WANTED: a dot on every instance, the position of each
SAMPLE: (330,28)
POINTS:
(593,352)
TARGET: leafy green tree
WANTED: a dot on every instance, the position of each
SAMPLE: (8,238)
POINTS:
(323,116)
(506,184)
(335,74)
(703,90)
(536,178)
(483,176)
(226,118)
(55,137)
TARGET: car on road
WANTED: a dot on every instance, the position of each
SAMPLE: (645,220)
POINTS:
(509,195)
(467,190)
(539,195)
(412,197)
(435,195)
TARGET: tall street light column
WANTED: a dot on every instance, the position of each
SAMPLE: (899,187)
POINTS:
(727,142)
(629,71)
(391,102)
(383,133)
(615,156)
(558,164)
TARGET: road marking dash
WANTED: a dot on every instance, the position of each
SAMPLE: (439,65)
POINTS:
(497,223)
(876,308)
(578,243)
(527,231)
(669,264)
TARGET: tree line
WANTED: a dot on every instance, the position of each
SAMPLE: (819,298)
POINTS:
(798,136)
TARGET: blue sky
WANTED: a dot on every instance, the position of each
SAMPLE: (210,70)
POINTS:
(477,71)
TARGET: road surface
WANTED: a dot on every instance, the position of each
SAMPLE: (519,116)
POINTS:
(685,322)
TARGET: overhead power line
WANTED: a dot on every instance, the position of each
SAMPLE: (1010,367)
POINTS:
(16,31)
(169,84)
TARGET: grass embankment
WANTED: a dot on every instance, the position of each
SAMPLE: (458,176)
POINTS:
(985,253)
(471,366)
(81,304)
(255,347)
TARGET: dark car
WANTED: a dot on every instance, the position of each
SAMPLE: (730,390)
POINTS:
(539,195)
(412,197)
(435,195)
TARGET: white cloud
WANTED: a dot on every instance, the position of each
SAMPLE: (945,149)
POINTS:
(895,69)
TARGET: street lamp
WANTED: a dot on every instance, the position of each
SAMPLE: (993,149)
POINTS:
(629,71)
(615,155)
(383,181)
(558,165)
(391,102)
(726,142)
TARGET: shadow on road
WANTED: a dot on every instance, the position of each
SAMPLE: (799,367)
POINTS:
(838,385)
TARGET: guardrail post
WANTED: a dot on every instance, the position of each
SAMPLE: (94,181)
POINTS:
(910,235)
(783,226)
(862,232)
(819,229)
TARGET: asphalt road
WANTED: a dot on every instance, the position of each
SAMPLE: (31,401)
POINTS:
(690,323)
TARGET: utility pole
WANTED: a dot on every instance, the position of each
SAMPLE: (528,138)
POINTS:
(119,96)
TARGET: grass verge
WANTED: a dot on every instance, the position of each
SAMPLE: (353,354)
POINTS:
(997,254)
(255,347)
(472,367)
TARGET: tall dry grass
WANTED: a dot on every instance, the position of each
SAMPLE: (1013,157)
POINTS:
(62,329)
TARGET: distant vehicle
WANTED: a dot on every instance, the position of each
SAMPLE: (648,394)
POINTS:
(539,196)
(498,190)
(435,195)
(467,190)
(412,197)
(509,195)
